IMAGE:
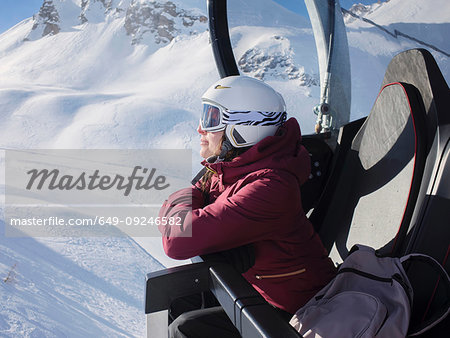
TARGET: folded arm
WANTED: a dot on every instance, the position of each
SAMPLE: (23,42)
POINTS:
(250,214)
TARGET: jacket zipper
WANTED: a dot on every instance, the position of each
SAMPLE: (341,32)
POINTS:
(281,274)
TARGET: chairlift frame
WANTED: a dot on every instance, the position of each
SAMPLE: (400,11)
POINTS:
(333,110)
(247,309)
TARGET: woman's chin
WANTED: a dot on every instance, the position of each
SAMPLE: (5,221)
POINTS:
(204,153)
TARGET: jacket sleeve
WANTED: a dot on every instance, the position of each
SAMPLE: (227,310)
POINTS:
(177,207)
(253,213)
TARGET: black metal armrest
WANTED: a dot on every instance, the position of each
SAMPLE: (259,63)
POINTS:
(164,286)
(247,309)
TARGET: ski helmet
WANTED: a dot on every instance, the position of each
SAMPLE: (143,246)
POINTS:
(246,108)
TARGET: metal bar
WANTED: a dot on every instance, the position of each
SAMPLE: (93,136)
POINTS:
(220,38)
(157,323)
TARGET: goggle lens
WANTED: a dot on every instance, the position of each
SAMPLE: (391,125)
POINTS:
(210,117)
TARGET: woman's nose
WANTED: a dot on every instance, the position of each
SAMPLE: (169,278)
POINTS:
(200,130)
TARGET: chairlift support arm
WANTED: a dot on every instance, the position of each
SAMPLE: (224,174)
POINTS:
(220,38)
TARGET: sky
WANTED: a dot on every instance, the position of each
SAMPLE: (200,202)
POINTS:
(14,11)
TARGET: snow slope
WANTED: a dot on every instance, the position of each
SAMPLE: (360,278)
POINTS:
(71,287)
(105,76)
(375,41)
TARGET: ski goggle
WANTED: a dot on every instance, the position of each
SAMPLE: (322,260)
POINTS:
(211,119)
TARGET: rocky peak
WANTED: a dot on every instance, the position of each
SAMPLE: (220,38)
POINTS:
(85,4)
(160,20)
(361,10)
(163,19)
(48,18)
(357,9)
(278,63)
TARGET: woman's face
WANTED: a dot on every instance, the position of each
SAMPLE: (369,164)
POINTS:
(210,142)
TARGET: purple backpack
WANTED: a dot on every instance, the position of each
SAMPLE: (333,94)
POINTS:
(370,296)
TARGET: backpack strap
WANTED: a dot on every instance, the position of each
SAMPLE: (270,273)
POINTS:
(443,276)
(198,176)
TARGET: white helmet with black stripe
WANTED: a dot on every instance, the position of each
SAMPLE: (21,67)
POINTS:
(246,108)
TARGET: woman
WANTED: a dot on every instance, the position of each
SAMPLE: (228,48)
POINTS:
(250,194)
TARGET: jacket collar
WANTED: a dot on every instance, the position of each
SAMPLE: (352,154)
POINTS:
(282,151)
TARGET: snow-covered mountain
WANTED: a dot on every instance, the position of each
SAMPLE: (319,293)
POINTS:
(360,10)
(163,19)
(112,74)
(379,31)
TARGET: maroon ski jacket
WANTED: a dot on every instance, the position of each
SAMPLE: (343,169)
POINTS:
(255,198)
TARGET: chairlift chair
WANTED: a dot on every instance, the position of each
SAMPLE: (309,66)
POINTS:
(385,183)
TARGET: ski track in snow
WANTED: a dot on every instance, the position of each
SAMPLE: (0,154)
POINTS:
(89,87)
(57,287)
